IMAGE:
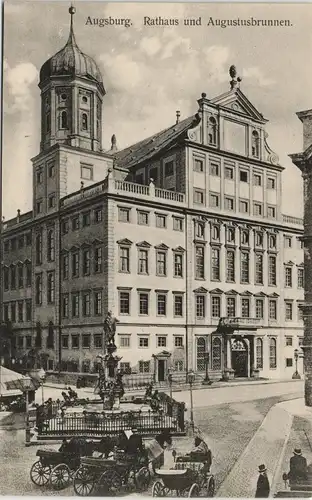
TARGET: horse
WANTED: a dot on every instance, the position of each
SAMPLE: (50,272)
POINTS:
(155,449)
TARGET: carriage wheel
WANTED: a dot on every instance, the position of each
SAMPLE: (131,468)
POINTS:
(142,478)
(158,489)
(84,482)
(194,491)
(110,481)
(60,477)
(40,474)
(211,486)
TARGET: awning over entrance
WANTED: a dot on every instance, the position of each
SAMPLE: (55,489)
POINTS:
(11,383)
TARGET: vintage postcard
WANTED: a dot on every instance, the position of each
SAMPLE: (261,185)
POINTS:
(155,250)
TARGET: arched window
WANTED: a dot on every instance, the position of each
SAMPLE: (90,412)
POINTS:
(255,144)
(259,353)
(212,131)
(200,354)
(50,245)
(84,121)
(216,354)
(272,353)
(50,337)
(64,123)
(215,233)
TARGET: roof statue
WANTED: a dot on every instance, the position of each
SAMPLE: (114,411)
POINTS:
(235,79)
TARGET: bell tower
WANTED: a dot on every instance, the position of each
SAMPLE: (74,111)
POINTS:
(72,94)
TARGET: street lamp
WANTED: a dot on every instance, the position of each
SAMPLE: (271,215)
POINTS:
(206,380)
(191,380)
(42,376)
(170,376)
(296,375)
(26,386)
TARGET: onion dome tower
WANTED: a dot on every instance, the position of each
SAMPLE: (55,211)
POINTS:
(72,93)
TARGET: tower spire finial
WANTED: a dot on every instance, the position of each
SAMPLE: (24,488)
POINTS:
(72,12)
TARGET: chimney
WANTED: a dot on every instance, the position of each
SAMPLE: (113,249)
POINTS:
(178,114)
(306,118)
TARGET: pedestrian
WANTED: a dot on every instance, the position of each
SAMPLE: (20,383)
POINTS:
(263,485)
(298,467)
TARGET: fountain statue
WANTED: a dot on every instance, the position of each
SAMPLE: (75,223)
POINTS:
(109,385)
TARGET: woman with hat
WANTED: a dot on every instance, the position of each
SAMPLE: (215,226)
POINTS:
(263,485)
(297,467)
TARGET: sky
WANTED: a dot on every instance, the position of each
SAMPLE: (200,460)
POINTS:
(149,72)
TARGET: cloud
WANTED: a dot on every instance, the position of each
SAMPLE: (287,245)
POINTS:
(256,73)
(19,80)
(150,45)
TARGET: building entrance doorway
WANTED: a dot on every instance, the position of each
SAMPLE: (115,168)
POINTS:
(239,357)
(161,370)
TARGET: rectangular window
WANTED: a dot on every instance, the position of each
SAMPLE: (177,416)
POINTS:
(300,277)
(214,200)
(143,261)
(124,259)
(161,304)
(243,175)
(289,362)
(143,218)
(177,224)
(6,278)
(28,310)
(300,341)
(86,172)
(86,262)
(178,306)
(13,278)
(39,176)
(259,308)
(86,219)
(288,341)
(214,169)
(65,264)
(143,342)
(65,226)
(229,173)
(288,277)
(28,239)
(13,312)
(287,242)
(98,259)
(98,341)
(179,365)
(259,269)
(65,341)
(178,341)
(271,212)
(28,342)
(51,170)
(98,303)
(75,223)
(161,263)
(244,267)
(51,201)
(21,242)
(86,341)
(6,312)
(144,366)
(86,304)
(124,303)
(272,270)
(215,264)
(288,311)
(20,311)
(38,289)
(98,215)
(75,341)
(243,206)
(215,306)
(153,174)
(178,265)
(20,276)
(229,203)
(200,306)
(198,196)
(75,265)
(65,303)
(300,313)
(161,341)
(169,169)
(245,308)
(257,180)
(230,266)
(75,305)
(271,183)
(272,309)
(143,303)
(39,248)
(231,307)
(124,341)
(257,209)
(199,262)
(124,214)
(50,287)
(13,244)
(161,221)
(198,165)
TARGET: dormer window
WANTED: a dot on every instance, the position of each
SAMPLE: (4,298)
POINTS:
(63,121)
(84,121)
(255,144)
(212,131)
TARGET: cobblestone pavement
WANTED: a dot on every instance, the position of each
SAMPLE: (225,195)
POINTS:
(227,427)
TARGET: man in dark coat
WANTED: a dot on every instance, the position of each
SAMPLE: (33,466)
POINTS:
(263,485)
(297,467)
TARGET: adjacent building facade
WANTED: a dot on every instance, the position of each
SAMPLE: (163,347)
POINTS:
(171,234)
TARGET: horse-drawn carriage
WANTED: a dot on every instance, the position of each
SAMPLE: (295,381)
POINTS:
(188,478)
(58,467)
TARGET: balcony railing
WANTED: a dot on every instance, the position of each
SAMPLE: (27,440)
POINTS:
(289,219)
(232,324)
